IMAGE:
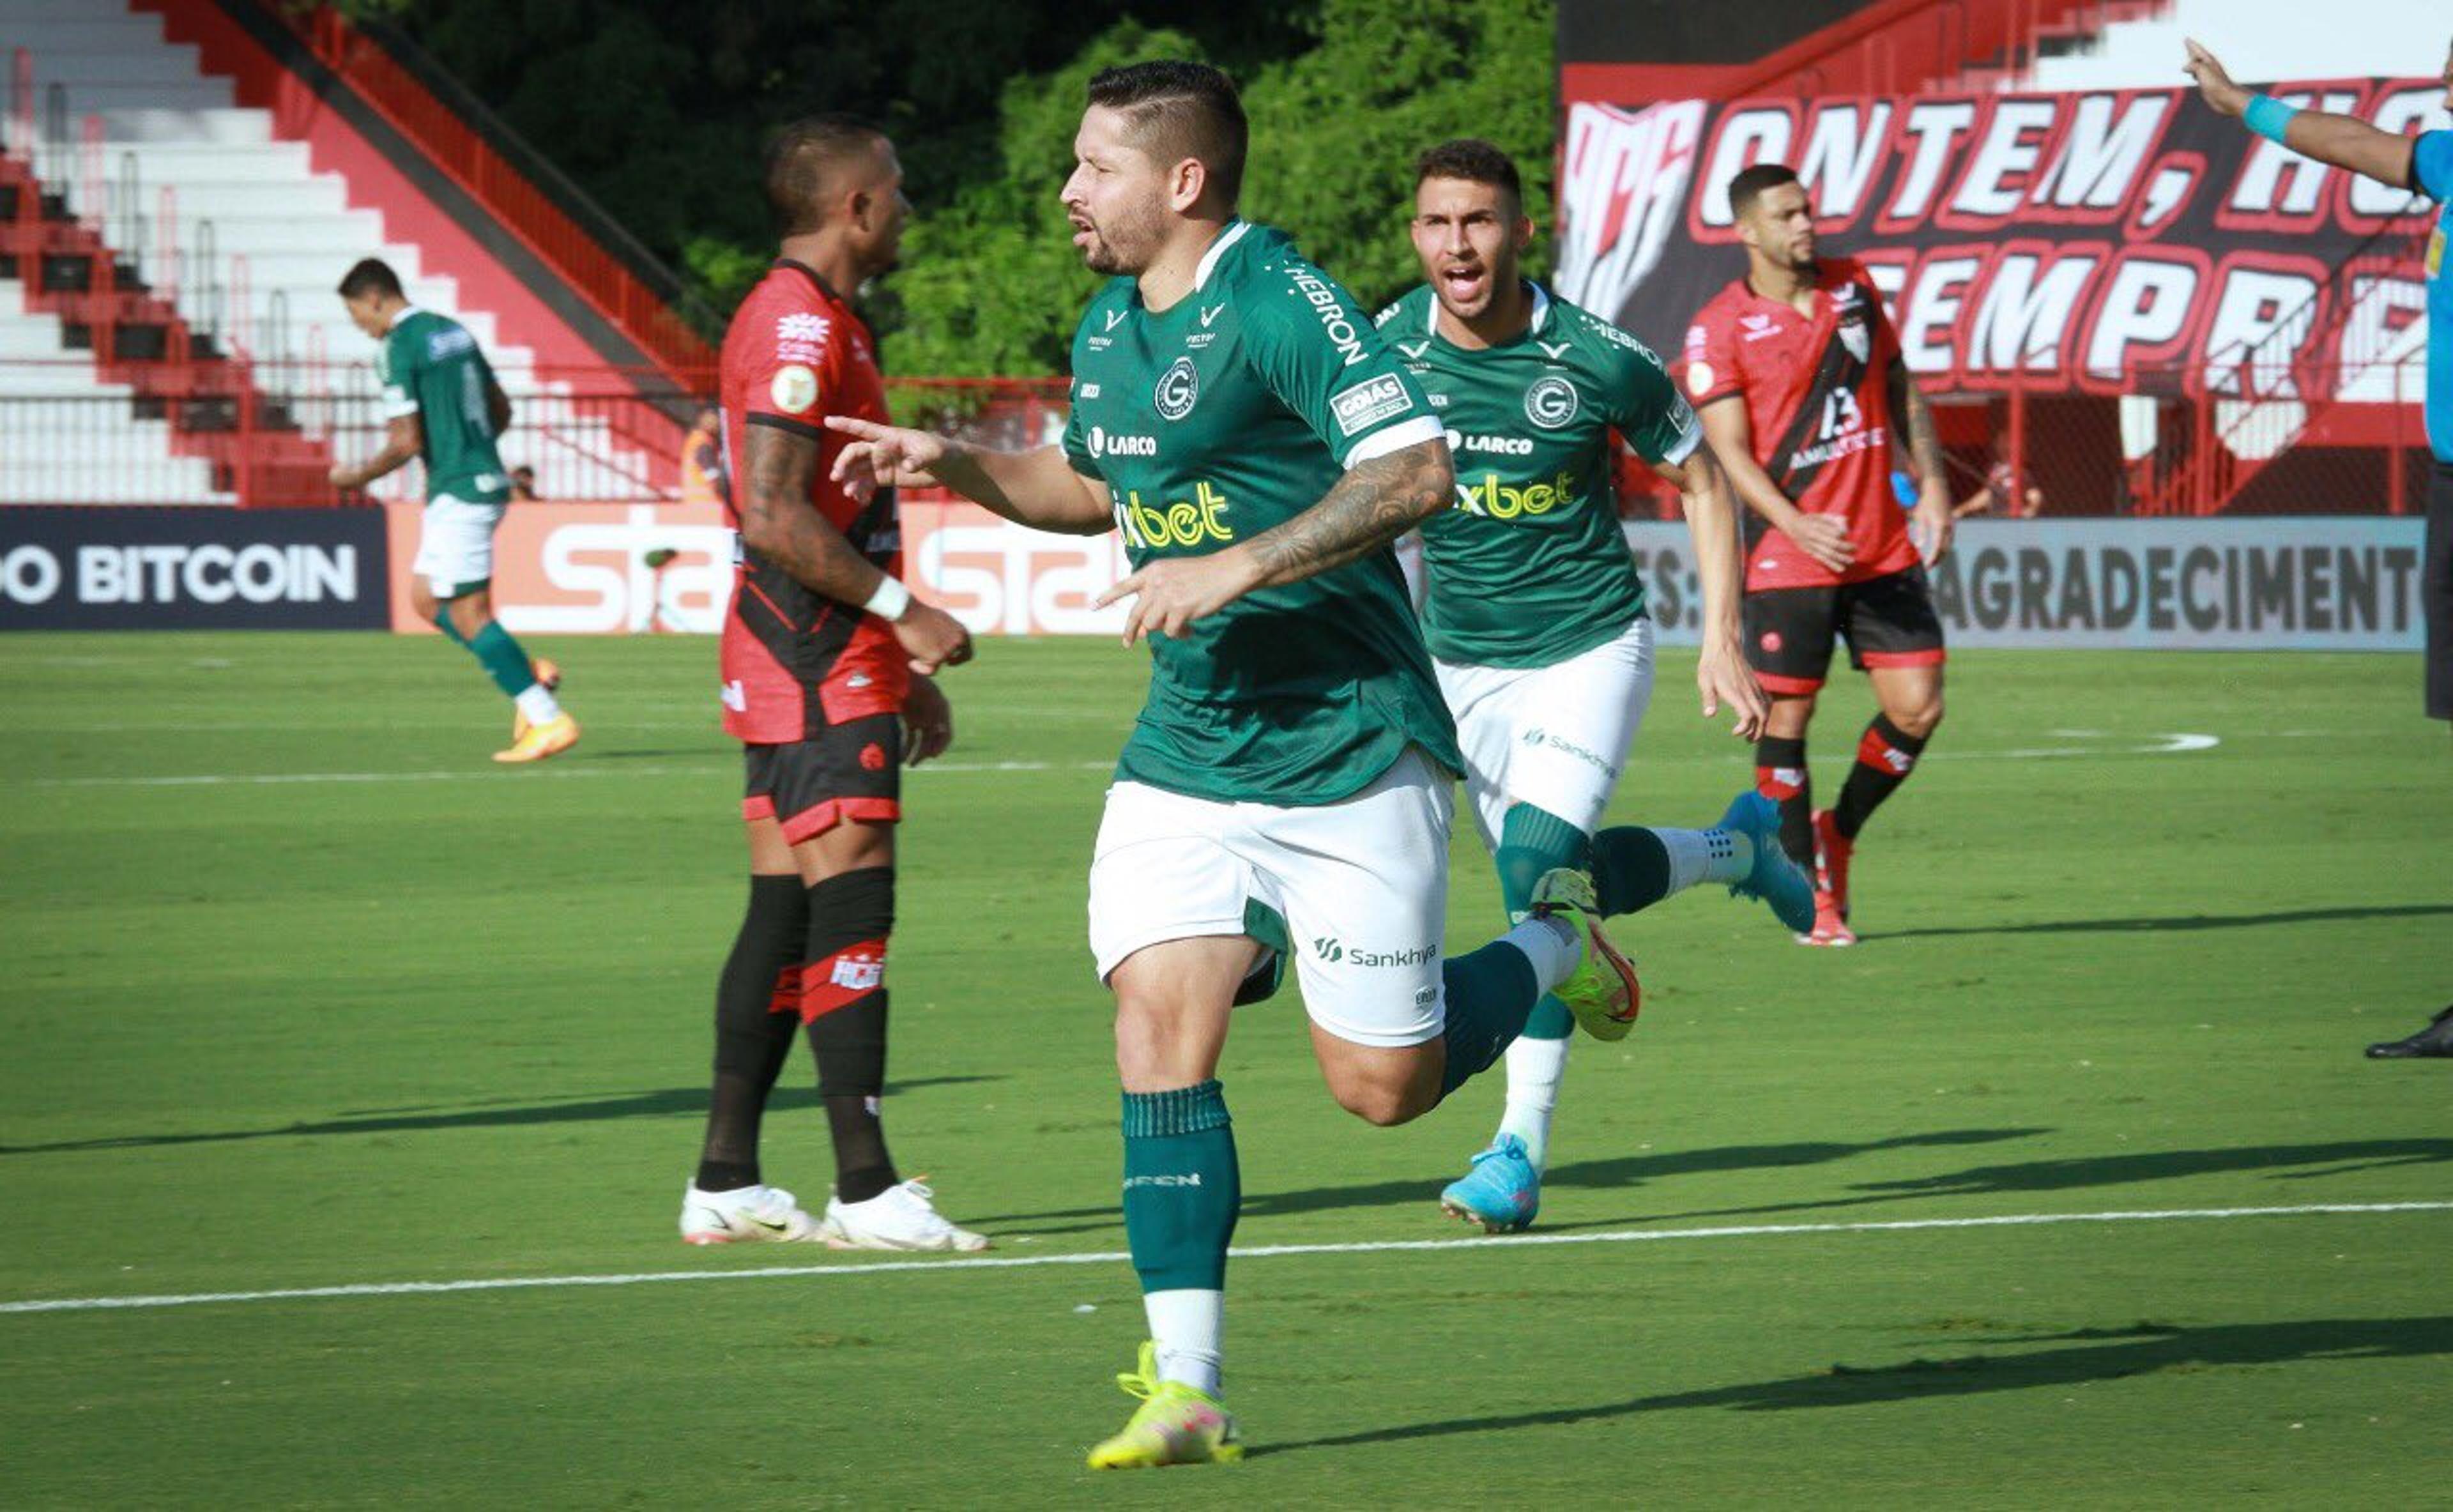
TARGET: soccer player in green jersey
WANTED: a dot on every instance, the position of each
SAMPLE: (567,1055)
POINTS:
(1535,615)
(1286,790)
(443,406)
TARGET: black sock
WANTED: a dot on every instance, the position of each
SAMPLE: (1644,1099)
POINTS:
(1781,776)
(1884,758)
(757,1008)
(843,1000)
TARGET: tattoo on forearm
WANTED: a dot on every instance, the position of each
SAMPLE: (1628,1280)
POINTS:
(777,520)
(1925,445)
(1374,504)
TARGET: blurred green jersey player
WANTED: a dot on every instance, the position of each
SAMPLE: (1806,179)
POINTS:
(442,406)
(1533,610)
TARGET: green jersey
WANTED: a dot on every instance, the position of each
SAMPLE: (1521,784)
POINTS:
(431,368)
(1529,568)
(1229,412)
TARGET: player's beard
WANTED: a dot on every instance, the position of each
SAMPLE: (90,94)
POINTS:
(1124,243)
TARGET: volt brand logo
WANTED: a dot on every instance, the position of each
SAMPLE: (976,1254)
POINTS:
(1551,403)
(1334,321)
(1368,403)
(1178,388)
(1183,523)
(1116,317)
(1120,444)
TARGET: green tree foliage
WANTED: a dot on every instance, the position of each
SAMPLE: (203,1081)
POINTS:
(658,113)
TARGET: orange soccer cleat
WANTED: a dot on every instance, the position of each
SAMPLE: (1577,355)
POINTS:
(552,738)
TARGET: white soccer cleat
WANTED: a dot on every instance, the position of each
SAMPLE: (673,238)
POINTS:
(746,1215)
(897,1218)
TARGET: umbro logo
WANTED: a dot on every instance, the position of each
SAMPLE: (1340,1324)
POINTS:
(1114,317)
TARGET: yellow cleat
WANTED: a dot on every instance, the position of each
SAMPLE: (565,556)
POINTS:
(552,738)
(1176,1424)
(1603,993)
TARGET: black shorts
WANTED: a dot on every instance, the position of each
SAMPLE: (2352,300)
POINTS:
(1890,621)
(2435,592)
(845,773)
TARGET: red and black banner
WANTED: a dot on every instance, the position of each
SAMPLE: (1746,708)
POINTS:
(2096,242)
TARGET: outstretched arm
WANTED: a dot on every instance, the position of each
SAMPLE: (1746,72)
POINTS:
(1037,487)
(2345,140)
(1375,502)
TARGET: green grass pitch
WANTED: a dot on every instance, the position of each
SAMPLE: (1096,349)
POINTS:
(301,991)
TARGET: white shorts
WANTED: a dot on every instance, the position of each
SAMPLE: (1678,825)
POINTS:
(1357,891)
(455,545)
(1555,737)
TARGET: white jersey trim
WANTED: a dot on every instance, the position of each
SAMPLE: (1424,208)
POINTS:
(1396,438)
(1233,233)
(1685,445)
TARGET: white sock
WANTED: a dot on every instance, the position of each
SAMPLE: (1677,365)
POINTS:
(1706,855)
(1186,1325)
(1554,944)
(1534,1071)
(538,704)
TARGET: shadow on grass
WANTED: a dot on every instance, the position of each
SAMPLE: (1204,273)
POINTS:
(667,1102)
(2285,1163)
(1617,1172)
(2088,1355)
(2177,923)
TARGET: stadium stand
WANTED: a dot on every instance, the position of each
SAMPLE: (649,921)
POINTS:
(191,179)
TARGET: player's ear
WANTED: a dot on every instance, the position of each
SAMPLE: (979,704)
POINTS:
(1185,186)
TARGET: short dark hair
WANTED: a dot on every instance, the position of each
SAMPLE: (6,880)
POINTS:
(1750,184)
(804,163)
(370,275)
(1179,110)
(1475,161)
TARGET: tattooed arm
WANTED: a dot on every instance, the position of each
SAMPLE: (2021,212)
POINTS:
(1935,515)
(779,523)
(1375,502)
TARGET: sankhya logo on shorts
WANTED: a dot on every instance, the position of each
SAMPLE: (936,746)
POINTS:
(1329,949)
(1550,402)
(1177,388)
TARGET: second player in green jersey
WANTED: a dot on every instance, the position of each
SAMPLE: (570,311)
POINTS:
(1534,612)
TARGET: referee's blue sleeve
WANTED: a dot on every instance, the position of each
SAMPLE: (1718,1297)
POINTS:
(2431,166)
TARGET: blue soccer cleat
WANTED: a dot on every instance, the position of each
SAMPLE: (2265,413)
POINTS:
(1501,1192)
(1776,879)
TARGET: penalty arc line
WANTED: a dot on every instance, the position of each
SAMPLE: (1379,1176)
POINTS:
(417,1288)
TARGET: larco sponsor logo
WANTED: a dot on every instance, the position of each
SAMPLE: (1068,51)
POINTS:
(1495,446)
(1120,444)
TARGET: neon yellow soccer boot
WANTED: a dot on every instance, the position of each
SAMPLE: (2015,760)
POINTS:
(1176,1424)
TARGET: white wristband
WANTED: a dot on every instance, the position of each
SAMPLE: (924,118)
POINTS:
(889,601)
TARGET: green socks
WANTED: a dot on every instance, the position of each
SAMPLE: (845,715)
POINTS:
(502,659)
(1181,1187)
(1533,840)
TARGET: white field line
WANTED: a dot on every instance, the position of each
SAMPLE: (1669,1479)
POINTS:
(1484,1247)
(2152,746)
